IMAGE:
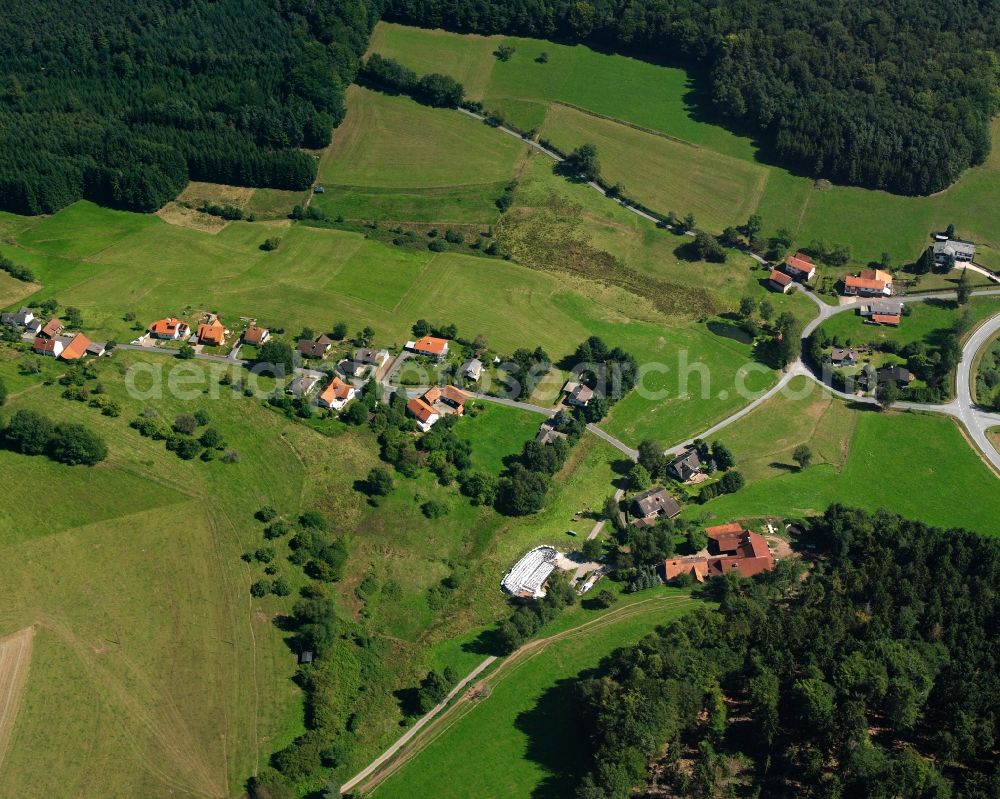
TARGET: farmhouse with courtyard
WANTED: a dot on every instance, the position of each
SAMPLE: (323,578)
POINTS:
(731,549)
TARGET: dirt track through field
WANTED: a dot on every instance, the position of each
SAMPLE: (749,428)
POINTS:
(15,657)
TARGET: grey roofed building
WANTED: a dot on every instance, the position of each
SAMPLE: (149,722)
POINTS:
(547,434)
(899,375)
(580,396)
(33,326)
(472,369)
(351,368)
(19,318)
(961,250)
(844,357)
(685,466)
(96,348)
(888,307)
(369,356)
(301,386)
(655,502)
(313,349)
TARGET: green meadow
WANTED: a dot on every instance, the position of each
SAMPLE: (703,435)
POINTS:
(519,740)
(865,458)
(664,99)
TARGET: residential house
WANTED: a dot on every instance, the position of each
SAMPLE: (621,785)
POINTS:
(800,266)
(255,336)
(370,357)
(212,332)
(472,370)
(51,329)
(547,433)
(844,357)
(169,328)
(869,283)
(779,281)
(731,549)
(314,349)
(888,307)
(76,348)
(685,466)
(577,394)
(899,375)
(350,368)
(97,349)
(20,318)
(946,249)
(49,346)
(652,505)
(337,394)
(429,345)
(425,415)
(34,326)
(454,398)
(302,386)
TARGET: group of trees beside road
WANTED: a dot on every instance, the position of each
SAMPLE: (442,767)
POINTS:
(127,102)
(388,75)
(874,676)
(898,99)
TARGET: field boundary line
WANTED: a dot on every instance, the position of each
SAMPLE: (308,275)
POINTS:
(634,126)
(15,664)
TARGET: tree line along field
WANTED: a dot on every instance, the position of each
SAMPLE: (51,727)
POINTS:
(524,722)
(661,99)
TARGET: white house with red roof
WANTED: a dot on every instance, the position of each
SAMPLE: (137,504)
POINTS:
(800,266)
(169,328)
(336,395)
(429,345)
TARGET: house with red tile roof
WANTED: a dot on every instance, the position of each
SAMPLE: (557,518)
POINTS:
(779,281)
(212,331)
(800,266)
(889,320)
(336,395)
(731,549)
(429,345)
(454,397)
(256,335)
(52,329)
(869,283)
(76,348)
(169,328)
(425,415)
(48,346)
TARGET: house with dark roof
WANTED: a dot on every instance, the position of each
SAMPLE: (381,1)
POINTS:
(302,386)
(685,466)
(547,433)
(577,394)
(888,306)
(369,357)
(844,357)
(652,505)
(314,349)
(899,375)
(19,318)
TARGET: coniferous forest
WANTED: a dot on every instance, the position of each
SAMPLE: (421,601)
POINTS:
(876,676)
(123,101)
(887,95)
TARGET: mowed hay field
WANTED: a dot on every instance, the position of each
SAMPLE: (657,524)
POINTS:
(661,172)
(864,458)
(666,100)
(518,739)
(393,158)
(15,660)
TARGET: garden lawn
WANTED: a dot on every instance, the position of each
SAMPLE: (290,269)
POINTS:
(496,432)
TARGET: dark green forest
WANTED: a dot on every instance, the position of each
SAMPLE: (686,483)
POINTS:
(890,95)
(877,676)
(123,101)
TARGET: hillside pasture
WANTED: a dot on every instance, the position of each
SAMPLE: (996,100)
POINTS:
(667,100)
(663,173)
